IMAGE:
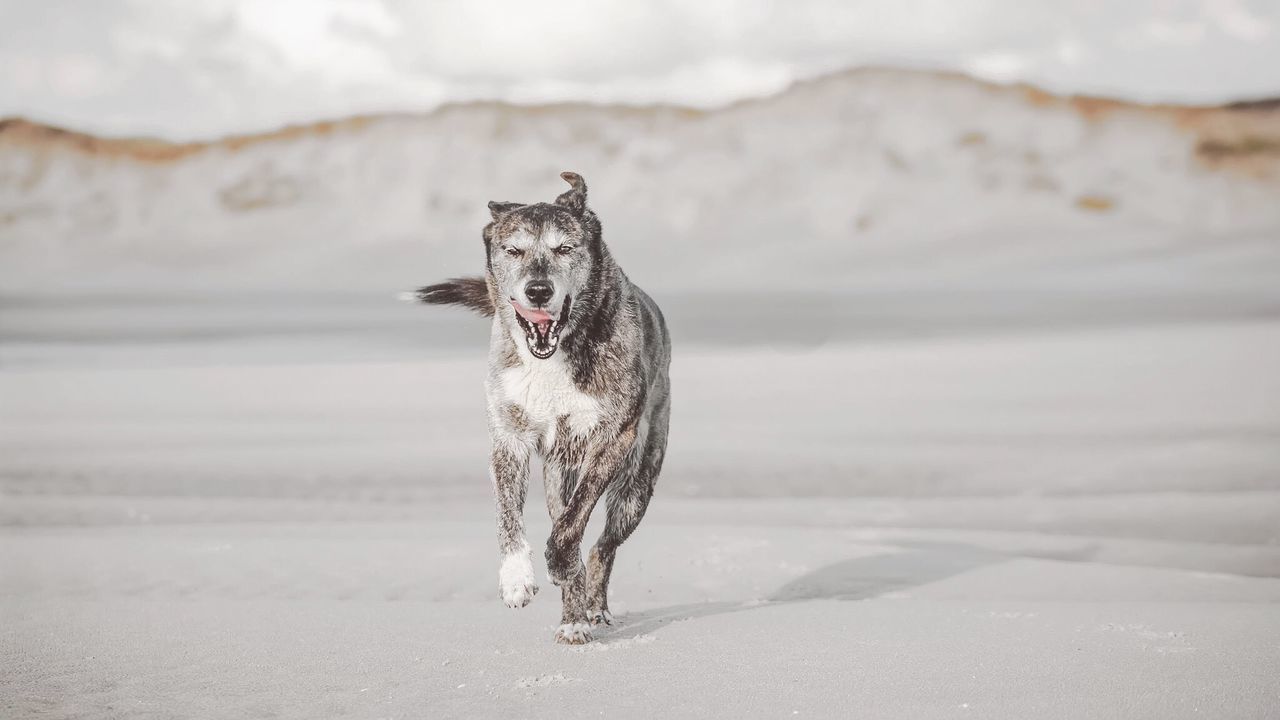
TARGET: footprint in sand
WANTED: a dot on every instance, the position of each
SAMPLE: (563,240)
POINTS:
(545,681)
(600,646)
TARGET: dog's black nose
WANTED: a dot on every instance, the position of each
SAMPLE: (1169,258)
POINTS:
(539,292)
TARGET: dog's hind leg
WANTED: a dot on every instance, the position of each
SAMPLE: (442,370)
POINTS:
(509,468)
(627,501)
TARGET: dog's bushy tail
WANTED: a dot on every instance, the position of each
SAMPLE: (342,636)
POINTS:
(471,293)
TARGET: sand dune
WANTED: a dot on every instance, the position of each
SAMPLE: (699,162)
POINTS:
(823,187)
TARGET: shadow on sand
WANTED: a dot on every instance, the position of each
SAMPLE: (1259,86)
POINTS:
(859,578)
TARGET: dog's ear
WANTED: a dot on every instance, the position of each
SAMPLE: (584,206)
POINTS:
(498,209)
(575,198)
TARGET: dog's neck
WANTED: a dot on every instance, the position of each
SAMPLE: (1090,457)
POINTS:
(595,319)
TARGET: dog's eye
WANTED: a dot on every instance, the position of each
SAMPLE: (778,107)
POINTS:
(513,252)
(563,249)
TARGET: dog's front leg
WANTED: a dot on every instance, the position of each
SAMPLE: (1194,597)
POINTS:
(509,468)
(564,555)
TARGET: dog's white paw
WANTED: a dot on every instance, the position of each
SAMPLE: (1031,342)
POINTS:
(599,617)
(573,634)
(515,579)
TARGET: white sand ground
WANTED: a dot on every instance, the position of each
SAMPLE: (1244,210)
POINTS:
(1077,523)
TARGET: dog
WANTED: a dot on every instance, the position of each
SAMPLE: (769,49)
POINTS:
(579,363)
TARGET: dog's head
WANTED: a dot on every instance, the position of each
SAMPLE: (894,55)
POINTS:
(540,260)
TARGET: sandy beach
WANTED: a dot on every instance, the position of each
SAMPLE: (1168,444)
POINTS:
(1071,523)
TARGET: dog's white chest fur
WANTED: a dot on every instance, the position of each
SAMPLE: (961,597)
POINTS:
(545,391)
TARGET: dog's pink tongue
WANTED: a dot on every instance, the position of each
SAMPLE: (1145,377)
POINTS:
(537,317)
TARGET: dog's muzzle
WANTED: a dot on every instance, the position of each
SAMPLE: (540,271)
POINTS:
(541,328)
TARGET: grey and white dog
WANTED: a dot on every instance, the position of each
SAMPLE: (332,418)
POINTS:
(578,360)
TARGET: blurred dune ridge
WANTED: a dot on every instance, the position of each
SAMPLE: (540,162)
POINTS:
(866,173)
(1237,128)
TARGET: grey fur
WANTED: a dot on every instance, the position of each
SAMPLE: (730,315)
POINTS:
(584,384)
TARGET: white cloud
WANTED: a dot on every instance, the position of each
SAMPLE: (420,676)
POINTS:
(1186,33)
(1237,20)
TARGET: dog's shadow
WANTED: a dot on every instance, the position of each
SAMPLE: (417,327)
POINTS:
(859,578)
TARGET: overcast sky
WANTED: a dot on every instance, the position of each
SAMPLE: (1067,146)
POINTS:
(198,68)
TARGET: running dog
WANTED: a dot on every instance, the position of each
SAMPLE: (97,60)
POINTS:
(578,373)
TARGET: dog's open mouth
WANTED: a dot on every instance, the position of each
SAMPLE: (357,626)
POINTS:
(541,328)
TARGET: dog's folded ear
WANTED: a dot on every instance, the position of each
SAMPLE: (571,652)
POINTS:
(576,197)
(498,209)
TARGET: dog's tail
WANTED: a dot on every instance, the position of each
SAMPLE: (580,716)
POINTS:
(471,293)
